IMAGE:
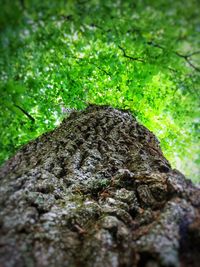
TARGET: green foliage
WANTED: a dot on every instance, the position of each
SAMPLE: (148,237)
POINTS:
(137,55)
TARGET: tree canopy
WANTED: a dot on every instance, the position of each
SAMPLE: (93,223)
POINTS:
(138,55)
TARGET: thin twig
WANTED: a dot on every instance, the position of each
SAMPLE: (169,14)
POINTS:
(185,57)
(107,73)
(127,56)
(25,112)
(192,65)
(193,53)
(155,45)
(172,69)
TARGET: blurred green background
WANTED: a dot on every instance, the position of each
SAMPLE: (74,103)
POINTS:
(138,55)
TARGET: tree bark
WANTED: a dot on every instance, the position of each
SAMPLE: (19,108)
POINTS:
(97,192)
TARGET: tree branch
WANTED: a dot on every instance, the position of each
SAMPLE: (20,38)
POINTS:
(185,57)
(194,53)
(100,69)
(155,45)
(25,112)
(81,59)
(127,56)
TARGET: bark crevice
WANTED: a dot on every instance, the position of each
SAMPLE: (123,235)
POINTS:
(97,191)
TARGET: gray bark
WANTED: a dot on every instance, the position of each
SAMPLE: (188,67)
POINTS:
(97,192)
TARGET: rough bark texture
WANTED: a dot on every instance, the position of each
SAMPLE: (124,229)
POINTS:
(97,192)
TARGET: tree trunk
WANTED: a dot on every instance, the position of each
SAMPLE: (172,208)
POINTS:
(97,192)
